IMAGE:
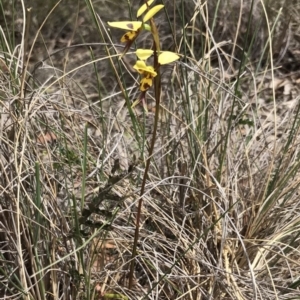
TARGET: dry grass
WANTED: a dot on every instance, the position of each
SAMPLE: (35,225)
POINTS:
(221,209)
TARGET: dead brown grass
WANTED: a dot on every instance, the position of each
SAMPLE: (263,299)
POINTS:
(221,207)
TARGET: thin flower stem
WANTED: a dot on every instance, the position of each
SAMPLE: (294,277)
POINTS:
(157,90)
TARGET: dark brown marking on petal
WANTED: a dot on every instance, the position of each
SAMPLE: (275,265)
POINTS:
(125,38)
(145,86)
(129,36)
(129,25)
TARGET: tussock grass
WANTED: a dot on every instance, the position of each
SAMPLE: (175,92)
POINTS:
(221,204)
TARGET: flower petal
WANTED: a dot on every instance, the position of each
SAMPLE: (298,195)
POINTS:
(127,25)
(150,72)
(129,36)
(143,8)
(146,83)
(143,54)
(140,66)
(152,12)
(146,71)
(167,57)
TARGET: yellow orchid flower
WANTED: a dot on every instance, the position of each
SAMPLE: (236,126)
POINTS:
(165,57)
(143,69)
(129,37)
(148,74)
(135,27)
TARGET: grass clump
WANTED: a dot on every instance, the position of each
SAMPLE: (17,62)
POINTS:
(208,158)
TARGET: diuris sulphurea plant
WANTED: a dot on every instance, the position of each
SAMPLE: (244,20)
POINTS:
(149,76)
(148,73)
